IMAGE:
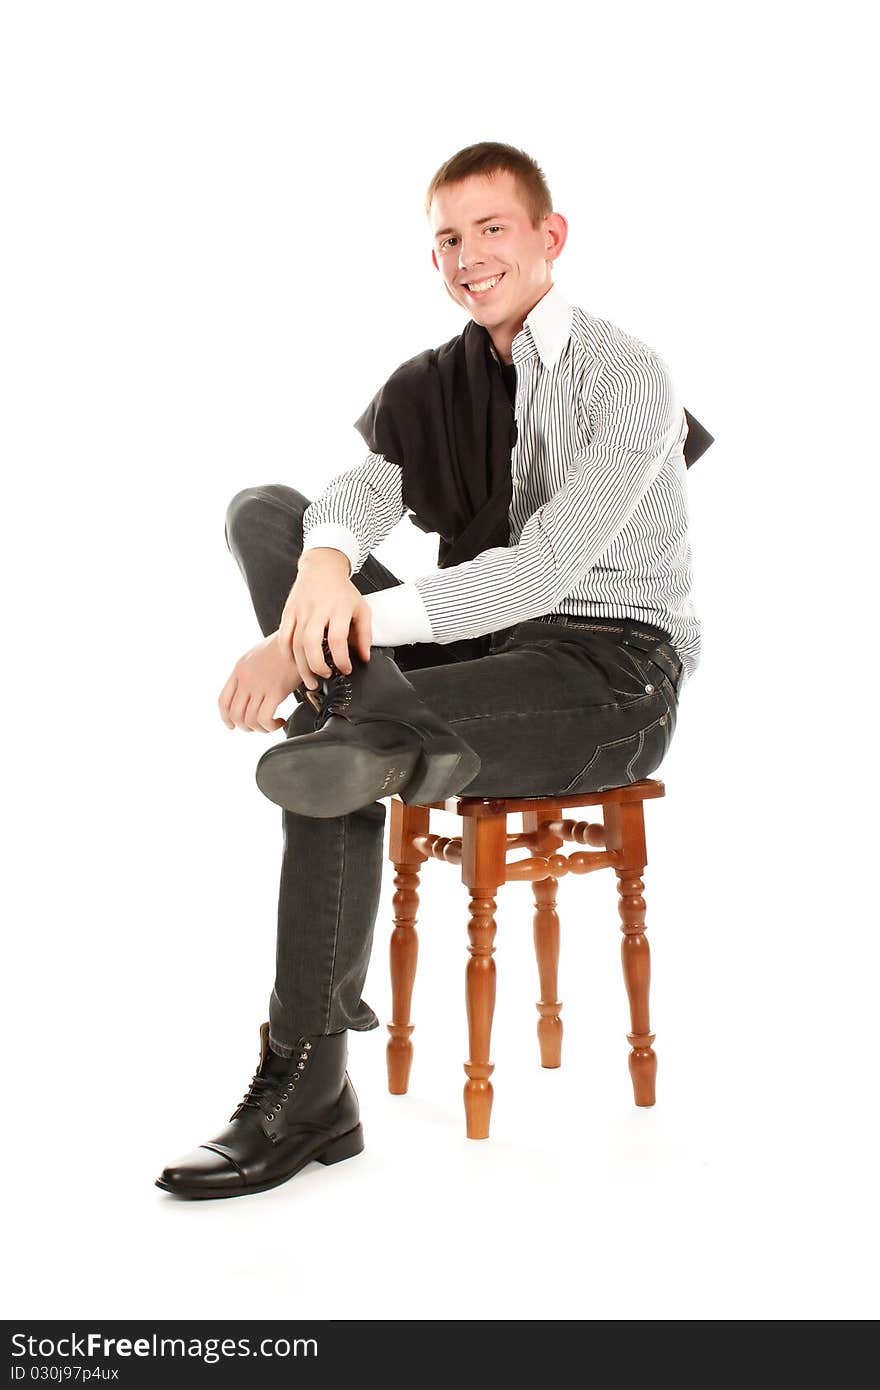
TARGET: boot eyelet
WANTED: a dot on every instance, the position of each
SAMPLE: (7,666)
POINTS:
(283,1100)
(276,1108)
(270,1116)
(307,1046)
(302,1066)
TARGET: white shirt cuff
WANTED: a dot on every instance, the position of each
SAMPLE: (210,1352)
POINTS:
(337,537)
(399,616)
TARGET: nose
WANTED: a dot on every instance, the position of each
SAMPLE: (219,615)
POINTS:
(467,256)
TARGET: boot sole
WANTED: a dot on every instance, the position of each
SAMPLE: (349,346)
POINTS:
(345,1146)
(334,779)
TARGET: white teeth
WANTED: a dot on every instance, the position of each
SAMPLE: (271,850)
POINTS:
(483,285)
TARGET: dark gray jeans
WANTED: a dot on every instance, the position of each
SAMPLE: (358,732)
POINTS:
(549,706)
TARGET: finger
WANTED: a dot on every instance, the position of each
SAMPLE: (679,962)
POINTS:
(314,651)
(264,718)
(251,712)
(257,715)
(224,701)
(362,627)
(337,639)
(238,708)
(307,675)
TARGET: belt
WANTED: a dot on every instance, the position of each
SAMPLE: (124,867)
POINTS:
(652,640)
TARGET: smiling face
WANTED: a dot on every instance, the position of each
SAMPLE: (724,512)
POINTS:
(493,261)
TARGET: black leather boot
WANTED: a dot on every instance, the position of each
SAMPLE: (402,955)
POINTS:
(373,737)
(296,1109)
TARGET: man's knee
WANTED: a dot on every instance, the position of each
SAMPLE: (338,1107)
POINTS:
(248,508)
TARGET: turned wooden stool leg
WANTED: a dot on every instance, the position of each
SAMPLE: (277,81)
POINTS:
(625,830)
(546,933)
(636,956)
(406,821)
(484,845)
(546,928)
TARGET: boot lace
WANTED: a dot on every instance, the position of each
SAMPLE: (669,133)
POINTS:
(338,697)
(262,1087)
(338,691)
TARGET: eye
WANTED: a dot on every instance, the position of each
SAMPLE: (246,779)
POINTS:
(447,242)
(494,228)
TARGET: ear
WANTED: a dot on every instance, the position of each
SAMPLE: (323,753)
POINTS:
(555,233)
(434,259)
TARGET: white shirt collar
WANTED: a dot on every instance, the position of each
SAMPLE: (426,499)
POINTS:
(548,326)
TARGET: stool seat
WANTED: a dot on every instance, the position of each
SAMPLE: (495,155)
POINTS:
(618,843)
(495,805)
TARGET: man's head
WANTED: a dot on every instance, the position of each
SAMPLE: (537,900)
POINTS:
(495,234)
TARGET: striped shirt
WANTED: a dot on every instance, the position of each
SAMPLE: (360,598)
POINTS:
(598,517)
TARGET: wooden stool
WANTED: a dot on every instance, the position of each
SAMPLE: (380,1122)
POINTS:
(481,850)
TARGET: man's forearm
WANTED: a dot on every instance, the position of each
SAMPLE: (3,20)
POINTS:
(356,511)
(398,615)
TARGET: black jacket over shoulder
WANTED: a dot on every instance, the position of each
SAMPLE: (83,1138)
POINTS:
(445,419)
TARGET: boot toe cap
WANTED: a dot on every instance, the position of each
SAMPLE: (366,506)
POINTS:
(202,1170)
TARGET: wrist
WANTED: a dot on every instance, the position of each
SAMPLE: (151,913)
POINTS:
(325,556)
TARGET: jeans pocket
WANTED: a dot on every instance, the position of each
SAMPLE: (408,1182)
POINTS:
(624,760)
(629,677)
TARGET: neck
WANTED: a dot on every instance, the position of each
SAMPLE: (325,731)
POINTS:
(502,340)
(503,336)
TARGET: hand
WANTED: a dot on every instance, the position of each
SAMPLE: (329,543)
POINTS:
(260,680)
(323,599)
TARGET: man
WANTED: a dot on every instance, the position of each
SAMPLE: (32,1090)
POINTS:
(545,655)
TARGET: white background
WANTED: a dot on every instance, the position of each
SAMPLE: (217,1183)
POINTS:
(215,251)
